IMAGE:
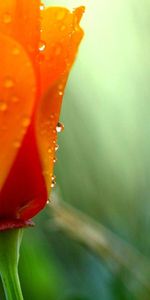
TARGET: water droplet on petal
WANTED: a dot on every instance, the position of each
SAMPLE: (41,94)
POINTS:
(54,160)
(59,127)
(42,6)
(8,83)
(17,144)
(49,150)
(42,46)
(7,18)
(53,181)
(56,147)
(60,93)
(25,121)
(3,106)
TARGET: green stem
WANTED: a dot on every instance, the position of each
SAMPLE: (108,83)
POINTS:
(10,241)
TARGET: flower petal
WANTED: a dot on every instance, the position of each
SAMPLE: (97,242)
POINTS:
(62,35)
(7,16)
(24,192)
(17,98)
(21,20)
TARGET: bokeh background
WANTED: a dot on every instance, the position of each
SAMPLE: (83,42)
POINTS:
(93,241)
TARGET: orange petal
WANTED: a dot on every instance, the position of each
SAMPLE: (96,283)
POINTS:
(7,16)
(62,35)
(21,20)
(17,97)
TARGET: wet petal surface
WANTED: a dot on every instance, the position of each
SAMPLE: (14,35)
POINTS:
(21,20)
(17,98)
(61,36)
(24,192)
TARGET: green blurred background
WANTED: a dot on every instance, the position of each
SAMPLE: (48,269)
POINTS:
(103,166)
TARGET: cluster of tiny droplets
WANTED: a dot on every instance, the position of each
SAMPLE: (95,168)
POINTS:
(42,47)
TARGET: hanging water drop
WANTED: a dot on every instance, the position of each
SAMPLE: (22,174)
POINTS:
(3,106)
(42,6)
(59,127)
(54,160)
(53,183)
(56,147)
(42,46)
(60,93)
(49,150)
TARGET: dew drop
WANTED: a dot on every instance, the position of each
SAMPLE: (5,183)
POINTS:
(53,182)
(42,46)
(3,106)
(59,127)
(60,93)
(56,147)
(54,160)
(49,150)
(8,83)
(17,144)
(7,18)
(25,121)
(42,6)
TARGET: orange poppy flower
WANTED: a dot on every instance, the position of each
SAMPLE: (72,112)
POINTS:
(38,48)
